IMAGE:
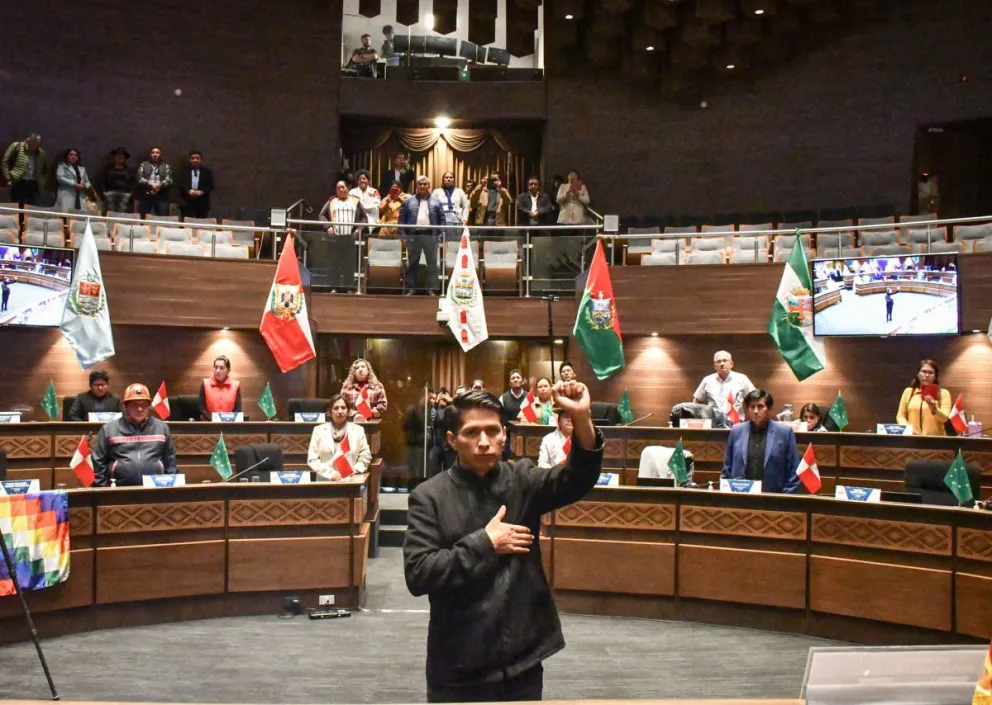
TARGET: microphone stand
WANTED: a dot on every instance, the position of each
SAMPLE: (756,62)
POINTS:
(551,332)
(27,614)
(427,424)
(640,418)
(263,461)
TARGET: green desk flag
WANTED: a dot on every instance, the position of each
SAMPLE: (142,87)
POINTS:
(266,403)
(220,460)
(838,412)
(677,465)
(49,403)
(957,482)
(626,413)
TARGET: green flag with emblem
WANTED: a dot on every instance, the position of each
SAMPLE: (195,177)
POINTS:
(220,460)
(957,482)
(677,465)
(626,413)
(266,403)
(838,412)
(50,403)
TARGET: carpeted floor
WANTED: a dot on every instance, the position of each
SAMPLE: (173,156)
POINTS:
(378,657)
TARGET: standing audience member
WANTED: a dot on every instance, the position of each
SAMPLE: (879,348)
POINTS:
(118,183)
(328,437)
(367,196)
(389,208)
(24,167)
(573,199)
(4,293)
(401,172)
(219,393)
(555,445)
(512,398)
(541,405)
(364,58)
(453,202)
(195,185)
(761,449)
(387,51)
(441,455)
(72,182)
(490,202)
(97,399)
(919,408)
(534,206)
(421,210)
(365,393)
(414,434)
(470,547)
(718,389)
(342,211)
(154,180)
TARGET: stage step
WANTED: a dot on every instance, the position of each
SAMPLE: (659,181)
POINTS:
(392,534)
(392,518)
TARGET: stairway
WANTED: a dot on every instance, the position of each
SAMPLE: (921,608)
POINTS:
(392,518)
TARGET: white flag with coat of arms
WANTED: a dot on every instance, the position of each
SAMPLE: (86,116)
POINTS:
(86,317)
(464,299)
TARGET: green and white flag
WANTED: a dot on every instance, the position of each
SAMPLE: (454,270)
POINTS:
(626,413)
(220,460)
(266,403)
(49,402)
(957,481)
(838,412)
(677,465)
(791,321)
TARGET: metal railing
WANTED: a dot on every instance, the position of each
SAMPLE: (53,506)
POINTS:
(152,222)
(362,232)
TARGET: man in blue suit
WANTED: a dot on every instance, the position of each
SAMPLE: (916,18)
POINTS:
(422,209)
(762,449)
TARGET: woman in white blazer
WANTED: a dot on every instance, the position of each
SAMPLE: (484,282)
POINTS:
(327,437)
(73,182)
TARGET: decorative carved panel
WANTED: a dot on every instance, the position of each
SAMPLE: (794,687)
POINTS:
(875,458)
(27,446)
(532,447)
(80,521)
(292,443)
(825,455)
(706,451)
(878,533)
(517,445)
(743,522)
(975,544)
(131,518)
(65,446)
(204,443)
(616,515)
(289,512)
(612,448)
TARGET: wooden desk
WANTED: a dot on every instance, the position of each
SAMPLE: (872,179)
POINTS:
(864,573)
(823,300)
(142,556)
(861,459)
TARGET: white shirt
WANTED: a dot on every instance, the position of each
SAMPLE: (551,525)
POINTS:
(424,213)
(370,199)
(714,391)
(533,203)
(342,212)
(552,452)
(322,448)
(459,203)
(195,180)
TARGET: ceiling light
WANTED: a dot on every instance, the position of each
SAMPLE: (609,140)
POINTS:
(759,11)
(429,21)
(225,328)
(648,48)
(558,341)
(730,67)
(654,334)
(568,17)
(442,121)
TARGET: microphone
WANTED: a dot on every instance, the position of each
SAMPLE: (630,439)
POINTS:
(639,419)
(249,469)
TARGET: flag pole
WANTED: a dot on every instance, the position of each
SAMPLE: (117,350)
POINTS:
(551,332)
(27,614)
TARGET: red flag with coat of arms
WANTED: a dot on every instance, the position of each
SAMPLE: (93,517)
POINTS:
(285,324)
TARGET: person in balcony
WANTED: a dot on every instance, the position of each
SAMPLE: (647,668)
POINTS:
(369,197)
(490,202)
(154,181)
(453,202)
(118,182)
(72,183)
(364,58)
(389,209)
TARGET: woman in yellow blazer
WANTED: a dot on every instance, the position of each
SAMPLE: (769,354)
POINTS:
(925,414)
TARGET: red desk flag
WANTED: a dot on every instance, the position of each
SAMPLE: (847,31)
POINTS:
(809,472)
(527,407)
(82,463)
(160,404)
(957,416)
(362,406)
(732,414)
(340,460)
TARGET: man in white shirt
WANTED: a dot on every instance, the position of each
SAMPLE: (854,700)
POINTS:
(533,206)
(717,390)
(556,445)
(454,204)
(367,196)
(422,210)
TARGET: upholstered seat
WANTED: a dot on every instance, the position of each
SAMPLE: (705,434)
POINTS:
(139,246)
(500,265)
(229,252)
(878,238)
(186,249)
(660,258)
(128,231)
(634,250)
(174,234)
(705,256)
(385,263)
(41,239)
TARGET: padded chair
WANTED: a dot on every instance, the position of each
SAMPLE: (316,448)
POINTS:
(451,254)
(8,236)
(384,264)
(242,237)
(977,246)
(67,403)
(141,247)
(634,250)
(796,225)
(837,238)
(889,250)
(913,219)
(221,237)
(654,462)
(199,221)
(877,221)
(921,236)
(501,266)
(727,239)
(167,235)
(102,243)
(8,221)
(660,259)
(184,249)
(309,405)
(664,252)
(122,214)
(753,227)
(688,230)
(748,257)
(939,248)
(750,243)
(705,257)
(826,252)
(129,231)
(157,221)
(78,227)
(184,407)
(926,478)
(878,238)
(39,239)
(255,453)
(231,252)
(605,414)
(787,242)
(968,235)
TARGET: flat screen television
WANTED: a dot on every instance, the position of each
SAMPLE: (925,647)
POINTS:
(470,51)
(501,57)
(412,44)
(34,284)
(442,46)
(897,295)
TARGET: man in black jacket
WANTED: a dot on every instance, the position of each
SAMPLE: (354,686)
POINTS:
(195,185)
(470,547)
(99,398)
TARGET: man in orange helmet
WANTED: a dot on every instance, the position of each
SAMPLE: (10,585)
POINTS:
(134,445)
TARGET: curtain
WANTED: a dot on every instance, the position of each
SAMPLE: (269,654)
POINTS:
(448,367)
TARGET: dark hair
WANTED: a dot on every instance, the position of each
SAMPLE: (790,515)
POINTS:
(576,172)
(534,177)
(96,375)
(936,372)
(194,151)
(387,28)
(363,172)
(473,399)
(444,390)
(564,364)
(79,156)
(756,395)
(155,146)
(366,35)
(816,410)
(557,177)
(333,400)
(515,371)
(479,381)
(225,360)
(396,183)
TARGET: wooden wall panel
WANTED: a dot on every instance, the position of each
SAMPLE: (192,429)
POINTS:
(76,591)
(171,516)
(182,357)
(736,575)
(626,567)
(287,564)
(871,373)
(919,597)
(974,595)
(180,570)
